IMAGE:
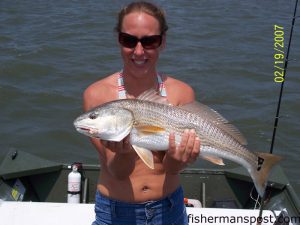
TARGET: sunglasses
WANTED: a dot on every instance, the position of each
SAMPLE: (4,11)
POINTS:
(148,42)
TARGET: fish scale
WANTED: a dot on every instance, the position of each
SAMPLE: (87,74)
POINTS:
(149,114)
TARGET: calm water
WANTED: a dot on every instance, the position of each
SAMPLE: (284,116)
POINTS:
(50,51)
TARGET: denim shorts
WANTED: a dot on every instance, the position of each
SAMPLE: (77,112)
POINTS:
(167,211)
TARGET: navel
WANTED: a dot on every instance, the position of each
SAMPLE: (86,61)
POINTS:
(145,189)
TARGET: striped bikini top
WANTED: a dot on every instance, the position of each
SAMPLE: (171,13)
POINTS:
(122,90)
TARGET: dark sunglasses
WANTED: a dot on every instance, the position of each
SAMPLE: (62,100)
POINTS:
(148,42)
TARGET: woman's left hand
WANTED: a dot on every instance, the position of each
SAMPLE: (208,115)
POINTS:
(179,157)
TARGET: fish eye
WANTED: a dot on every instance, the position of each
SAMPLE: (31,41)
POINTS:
(93,116)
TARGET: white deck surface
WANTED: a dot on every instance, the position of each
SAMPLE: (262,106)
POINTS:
(33,213)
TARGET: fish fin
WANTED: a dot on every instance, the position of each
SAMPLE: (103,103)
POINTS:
(265,162)
(145,155)
(216,118)
(148,129)
(152,96)
(213,159)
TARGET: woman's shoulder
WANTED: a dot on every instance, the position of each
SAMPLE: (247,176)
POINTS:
(101,91)
(179,92)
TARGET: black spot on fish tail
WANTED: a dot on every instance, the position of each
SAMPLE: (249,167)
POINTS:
(260,162)
(261,170)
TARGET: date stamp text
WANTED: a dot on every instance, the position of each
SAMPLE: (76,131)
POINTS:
(279,58)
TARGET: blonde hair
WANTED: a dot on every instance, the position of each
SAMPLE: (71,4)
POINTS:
(145,7)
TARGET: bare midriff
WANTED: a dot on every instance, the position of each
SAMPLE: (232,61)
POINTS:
(143,184)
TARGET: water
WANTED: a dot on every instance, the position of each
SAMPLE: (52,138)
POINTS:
(50,51)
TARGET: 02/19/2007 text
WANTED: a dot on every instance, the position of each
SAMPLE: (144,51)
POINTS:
(279,54)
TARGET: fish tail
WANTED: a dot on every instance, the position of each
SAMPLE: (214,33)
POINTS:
(260,174)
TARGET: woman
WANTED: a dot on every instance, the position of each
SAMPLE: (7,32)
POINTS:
(128,191)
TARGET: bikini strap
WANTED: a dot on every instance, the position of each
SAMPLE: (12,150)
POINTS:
(161,87)
(121,86)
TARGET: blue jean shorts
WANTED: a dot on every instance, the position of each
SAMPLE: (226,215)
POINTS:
(167,211)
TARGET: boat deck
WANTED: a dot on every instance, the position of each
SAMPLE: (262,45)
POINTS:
(36,213)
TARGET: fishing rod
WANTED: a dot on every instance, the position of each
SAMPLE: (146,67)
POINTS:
(278,107)
(282,83)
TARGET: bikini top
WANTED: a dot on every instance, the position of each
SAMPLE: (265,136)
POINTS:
(122,90)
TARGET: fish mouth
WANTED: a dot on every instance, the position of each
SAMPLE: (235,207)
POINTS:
(86,130)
